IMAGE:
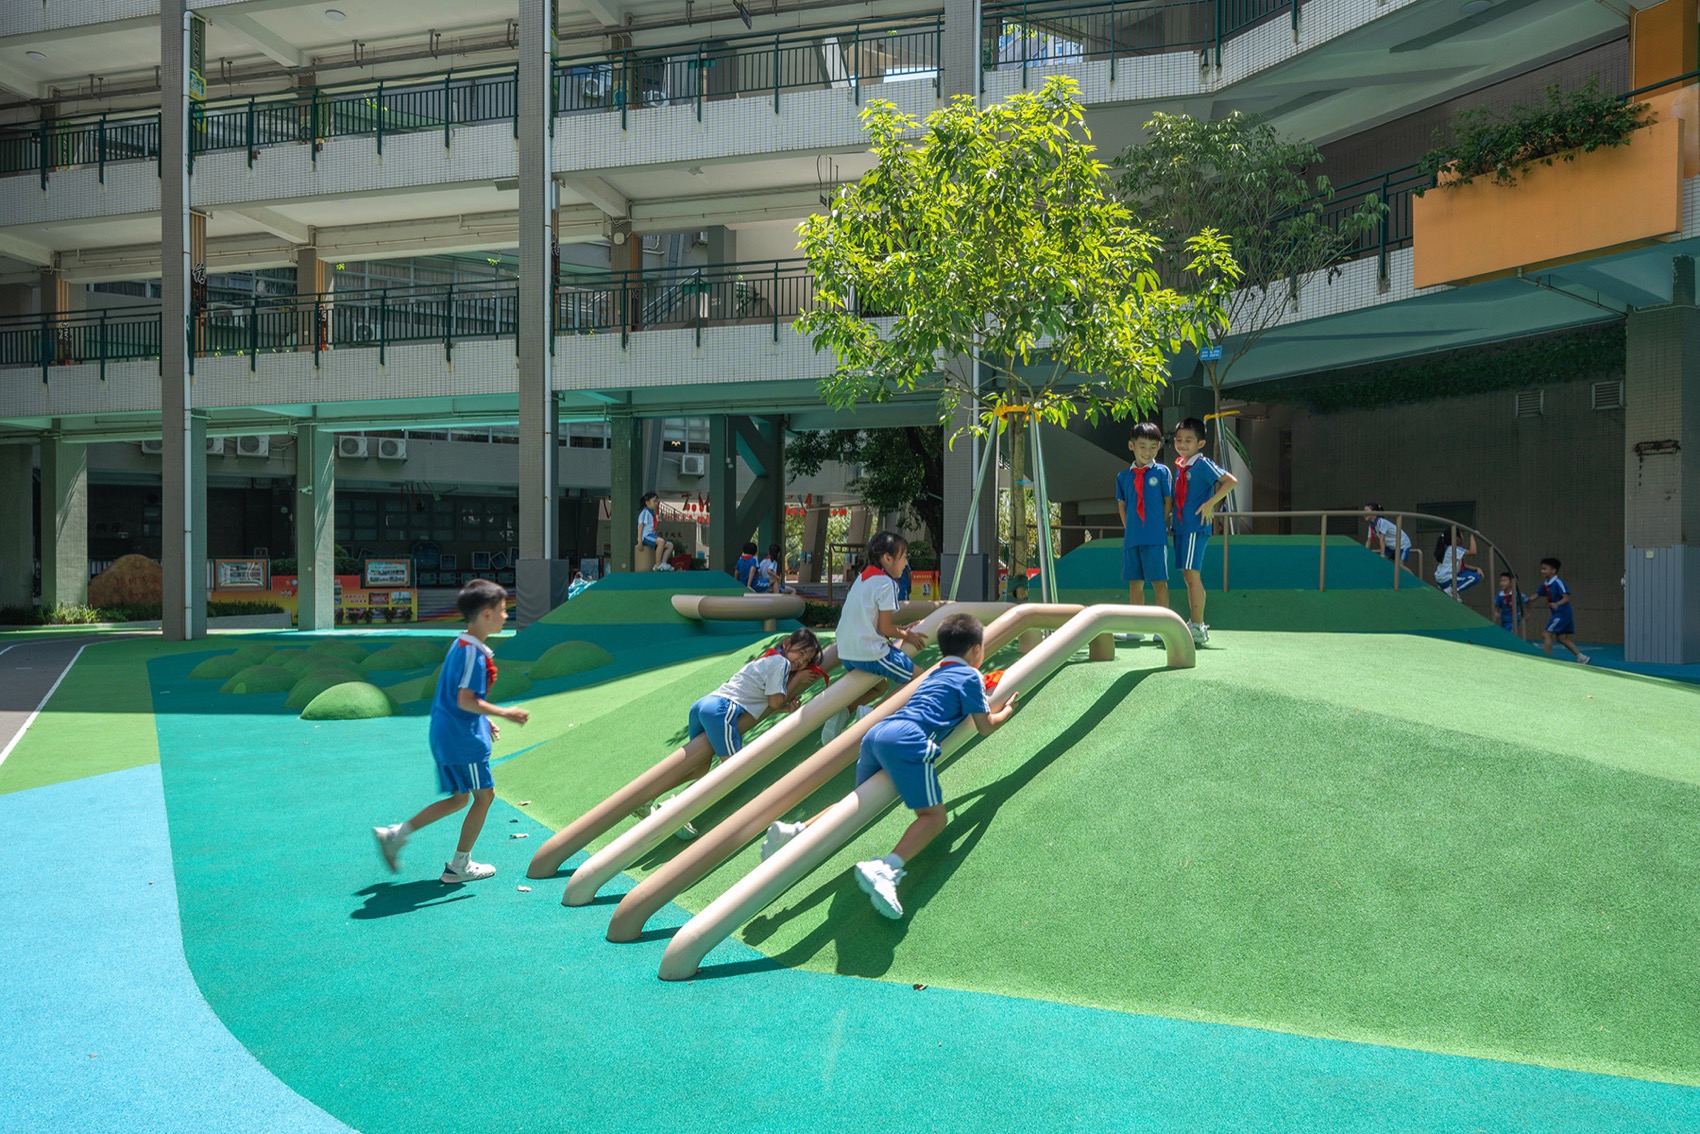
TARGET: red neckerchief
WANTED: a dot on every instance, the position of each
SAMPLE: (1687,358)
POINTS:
(873,572)
(489,660)
(1139,472)
(814,669)
(1183,467)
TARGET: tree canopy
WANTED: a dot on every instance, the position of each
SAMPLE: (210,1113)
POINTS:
(902,469)
(993,234)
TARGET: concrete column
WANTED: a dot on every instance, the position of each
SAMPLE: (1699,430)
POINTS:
(959,49)
(623,491)
(1661,486)
(542,576)
(761,511)
(17,526)
(64,522)
(814,543)
(315,527)
(311,278)
(183,466)
(722,245)
(726,536)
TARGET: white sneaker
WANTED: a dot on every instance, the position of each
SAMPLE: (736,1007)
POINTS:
(834,725)
(686,833)
(1200,633)
(1134,638)
(471,872)
(659,567)
(879,882)
(390,842)
(778,834)
(1581,659)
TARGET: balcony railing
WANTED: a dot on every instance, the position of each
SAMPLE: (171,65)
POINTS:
(1395,188)
(1029,34)
(849,57)
(763,293)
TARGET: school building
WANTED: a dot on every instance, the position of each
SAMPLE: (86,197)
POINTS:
(386,268)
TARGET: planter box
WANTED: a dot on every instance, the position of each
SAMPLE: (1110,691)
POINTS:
(1610,199)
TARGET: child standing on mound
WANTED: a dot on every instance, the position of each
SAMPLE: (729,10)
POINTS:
(647,515)
(770,684)
(906,744)
(1561,619)
(461,734)
(1144,496)
(1200,485)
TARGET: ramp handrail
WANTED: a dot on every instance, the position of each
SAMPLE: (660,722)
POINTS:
(809,776)
(1495,555)
(653,830)
(841,822)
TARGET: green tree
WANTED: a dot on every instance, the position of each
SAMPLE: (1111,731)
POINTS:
(991,234)
(902,469)
(1239,176)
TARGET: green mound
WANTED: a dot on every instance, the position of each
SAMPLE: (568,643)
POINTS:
(403,655)
(415,688)
(512,682)
(348,651)
(259,679)
(315,682)
(639,598)
(255,652)
(220,668)
(290,659)
(569,658)
(350,701)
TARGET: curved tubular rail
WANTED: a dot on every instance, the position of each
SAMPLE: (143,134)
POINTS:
(840,823)
(714,786)
(733,608)
(749,821)
(653,830)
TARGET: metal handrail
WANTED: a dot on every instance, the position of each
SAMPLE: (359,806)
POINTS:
(1495,555)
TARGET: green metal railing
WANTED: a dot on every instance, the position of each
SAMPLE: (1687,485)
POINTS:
(771,292)
(1026,34)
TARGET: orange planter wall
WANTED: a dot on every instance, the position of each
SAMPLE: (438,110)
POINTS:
(1609,199)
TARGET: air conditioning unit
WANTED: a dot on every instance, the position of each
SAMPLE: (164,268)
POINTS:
(215,446)
(392,448)
(365,333)
(693,464)
(253,446)
(354,448)
(153,447)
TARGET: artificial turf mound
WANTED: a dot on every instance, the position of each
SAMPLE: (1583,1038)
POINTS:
(1384,838)
(349,701)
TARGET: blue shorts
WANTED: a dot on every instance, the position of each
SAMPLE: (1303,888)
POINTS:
(896,665)
(1561,621)
(652,541)
(1387,553)
(457,779)
(1467,578)
(906,752)
(717,719)
(1189,550)
(1145,563)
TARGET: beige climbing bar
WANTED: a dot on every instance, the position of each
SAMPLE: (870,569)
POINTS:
(840,823)
(730,834)
(738,608)
(652,831)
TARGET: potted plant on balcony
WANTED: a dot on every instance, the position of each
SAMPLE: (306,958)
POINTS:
(1504,145)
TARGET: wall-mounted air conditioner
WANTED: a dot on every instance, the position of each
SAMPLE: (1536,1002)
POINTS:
(352,448)
(153,446)
(215,446)
(253,446)
(693,464)
(392,448)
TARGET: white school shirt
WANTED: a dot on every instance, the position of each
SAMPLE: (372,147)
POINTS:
(769,569)
(859,638)
(751,686)
(1443,570)
(1388,529)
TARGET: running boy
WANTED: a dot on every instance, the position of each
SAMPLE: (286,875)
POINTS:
(906,744)
(770,684)
(1561,617)
(866,625)
(1200,485)
(461,734)
(647,515)
(1145,497)
(1507,603)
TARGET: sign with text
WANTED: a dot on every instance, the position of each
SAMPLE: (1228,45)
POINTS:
(386,573)
(241,575)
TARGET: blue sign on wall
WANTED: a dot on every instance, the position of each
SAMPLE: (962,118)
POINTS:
(1210,354)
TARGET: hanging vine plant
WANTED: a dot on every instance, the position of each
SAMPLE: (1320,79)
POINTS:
(1503,145)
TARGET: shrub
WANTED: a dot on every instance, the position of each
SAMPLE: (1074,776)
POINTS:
(820,614)
(1502,145)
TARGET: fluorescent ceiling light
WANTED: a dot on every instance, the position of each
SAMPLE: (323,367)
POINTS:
(36,55)
(335,15)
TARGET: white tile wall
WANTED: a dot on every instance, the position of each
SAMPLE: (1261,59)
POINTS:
(21,17)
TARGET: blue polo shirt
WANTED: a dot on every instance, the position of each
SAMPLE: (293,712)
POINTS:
(1156,482)
(1201,478)
(457,736)
(945,698)
(1552,590)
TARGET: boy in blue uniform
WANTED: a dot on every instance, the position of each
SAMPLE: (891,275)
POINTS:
(1144,496)
(1561,618)
(1507,603)
(746,566)
(905,744)
(1200,485)
(461,734)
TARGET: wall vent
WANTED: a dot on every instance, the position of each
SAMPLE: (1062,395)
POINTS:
(1608,395)
(1531,403)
